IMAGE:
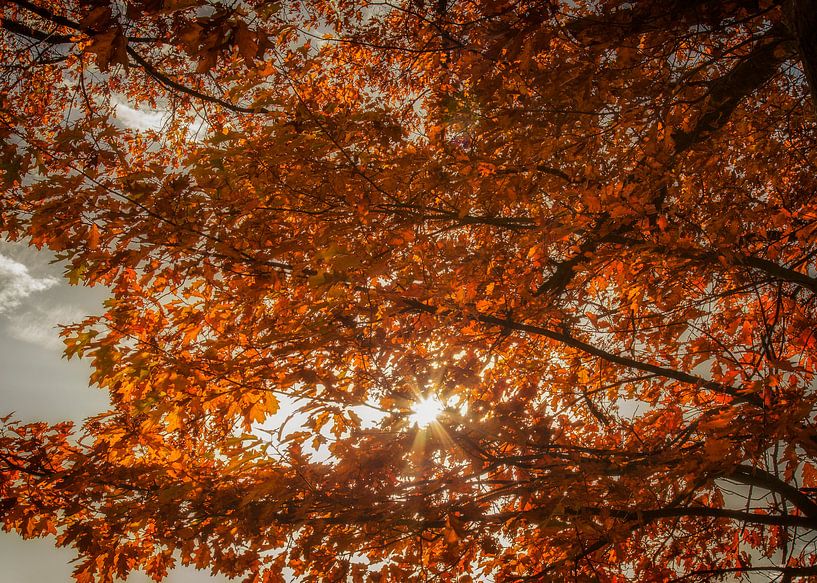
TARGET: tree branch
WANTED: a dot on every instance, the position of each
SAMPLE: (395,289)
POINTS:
(565,338)
(169,83)
(21,29)
(152,71)
(46,14)
(770,268)
(726,92)
(646,516)
(802,21)
(709,573)
(752,476)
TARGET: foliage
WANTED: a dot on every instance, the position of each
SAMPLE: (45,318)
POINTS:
(588,228)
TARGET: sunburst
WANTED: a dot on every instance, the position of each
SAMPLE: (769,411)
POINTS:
(425,411)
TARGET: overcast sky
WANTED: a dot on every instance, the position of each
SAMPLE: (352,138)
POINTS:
(39,385)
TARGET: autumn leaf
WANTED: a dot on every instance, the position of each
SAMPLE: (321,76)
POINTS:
(109,47)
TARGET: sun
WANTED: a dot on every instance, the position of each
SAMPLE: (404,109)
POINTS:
(426,411)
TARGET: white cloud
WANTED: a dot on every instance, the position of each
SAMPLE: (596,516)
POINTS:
(139,120)
(157,120)
(36,324)
(40,325)
(17,283)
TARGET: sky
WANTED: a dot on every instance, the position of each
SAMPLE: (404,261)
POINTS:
(38,384)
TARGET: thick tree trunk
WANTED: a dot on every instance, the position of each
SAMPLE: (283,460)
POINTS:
(802,17)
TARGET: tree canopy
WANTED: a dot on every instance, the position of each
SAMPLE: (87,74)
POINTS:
(584,231)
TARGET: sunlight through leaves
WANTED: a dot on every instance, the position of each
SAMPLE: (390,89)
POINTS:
(426,411)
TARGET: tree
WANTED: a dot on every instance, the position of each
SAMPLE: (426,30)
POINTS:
(587,230)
